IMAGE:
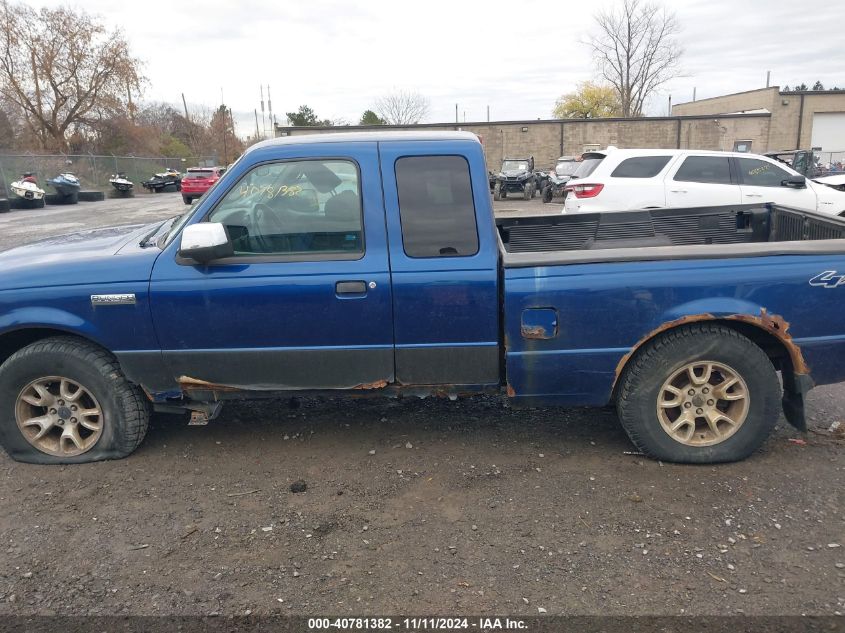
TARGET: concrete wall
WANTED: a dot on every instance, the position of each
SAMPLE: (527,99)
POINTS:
(792,113)
(546,140)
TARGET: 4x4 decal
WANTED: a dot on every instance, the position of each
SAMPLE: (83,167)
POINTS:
(828,279)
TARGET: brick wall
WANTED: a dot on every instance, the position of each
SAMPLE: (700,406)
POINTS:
(785,108)
(546,140)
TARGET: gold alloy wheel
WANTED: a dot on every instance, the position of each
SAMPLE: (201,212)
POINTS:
(59,416)
(703,403)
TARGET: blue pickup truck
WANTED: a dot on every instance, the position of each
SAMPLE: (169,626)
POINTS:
(371,264)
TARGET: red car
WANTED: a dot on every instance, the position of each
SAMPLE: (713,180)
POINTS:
(198,180)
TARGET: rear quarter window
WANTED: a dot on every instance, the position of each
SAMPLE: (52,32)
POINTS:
(436,207)
(640,167)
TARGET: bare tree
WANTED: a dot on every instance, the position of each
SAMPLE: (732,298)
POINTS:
(636,50)
(64,71)
(402,107)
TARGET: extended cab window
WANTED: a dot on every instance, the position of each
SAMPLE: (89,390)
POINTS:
(760,173)
(640,167)
(710,169)
(298,208)
(436,206)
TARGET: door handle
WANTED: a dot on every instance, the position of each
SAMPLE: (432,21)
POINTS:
(754,195)
(678,191)
(350,287)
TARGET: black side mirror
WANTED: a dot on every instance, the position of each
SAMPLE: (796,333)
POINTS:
(798,182)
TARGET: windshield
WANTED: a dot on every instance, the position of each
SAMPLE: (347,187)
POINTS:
(199,173)
(587,167)
(567,168)
(514,165)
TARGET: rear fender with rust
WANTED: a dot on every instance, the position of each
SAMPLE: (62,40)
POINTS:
(788,358)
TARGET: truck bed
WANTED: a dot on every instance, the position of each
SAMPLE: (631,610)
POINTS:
(700,232)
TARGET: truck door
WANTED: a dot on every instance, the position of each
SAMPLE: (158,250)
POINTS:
(305,302)
(444,262)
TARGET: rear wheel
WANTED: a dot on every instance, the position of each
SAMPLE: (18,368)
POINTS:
(699,394)
(187,199)
(64,401)
(547,193)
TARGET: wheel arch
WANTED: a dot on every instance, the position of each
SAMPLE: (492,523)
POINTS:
(12,341)
(769,332)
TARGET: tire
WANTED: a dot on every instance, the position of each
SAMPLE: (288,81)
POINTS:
(91,196)
(57,198)
(4,205)
(527,192)
(547,193)
(187,199)
(648,372)
(497,191)
(124,411)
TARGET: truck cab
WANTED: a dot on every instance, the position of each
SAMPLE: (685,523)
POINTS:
(346,258)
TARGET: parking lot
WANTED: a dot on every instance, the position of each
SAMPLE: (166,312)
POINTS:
(417,506)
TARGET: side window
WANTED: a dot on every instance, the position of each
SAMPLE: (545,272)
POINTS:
(436,208)
(761,173)
(307,208)
(640,167)
(710,169)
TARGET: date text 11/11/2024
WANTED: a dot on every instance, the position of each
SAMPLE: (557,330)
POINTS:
(417,624)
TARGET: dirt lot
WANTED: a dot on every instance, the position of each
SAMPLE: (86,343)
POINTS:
(417,506)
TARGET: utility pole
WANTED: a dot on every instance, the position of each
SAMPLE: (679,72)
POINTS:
(129,99)
(263,120)
(670,106)
(225,125)
(456,113)
(693,93)
(768,77)
(270,112)
(488,114)
(256,124)
(185,103)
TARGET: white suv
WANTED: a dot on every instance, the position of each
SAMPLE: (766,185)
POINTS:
(625,179)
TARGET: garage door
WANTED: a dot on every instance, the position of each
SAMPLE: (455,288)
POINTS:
(829,131)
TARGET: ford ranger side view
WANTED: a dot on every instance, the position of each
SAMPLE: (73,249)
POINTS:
(371,264)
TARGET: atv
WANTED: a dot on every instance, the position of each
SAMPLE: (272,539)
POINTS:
(516,176)
(559,177)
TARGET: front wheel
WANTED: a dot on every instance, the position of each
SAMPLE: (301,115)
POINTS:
(699,394)
(547,193)
(497,191)
(66,401)
(528,191)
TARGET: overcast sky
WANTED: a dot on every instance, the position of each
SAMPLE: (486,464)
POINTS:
(517,56)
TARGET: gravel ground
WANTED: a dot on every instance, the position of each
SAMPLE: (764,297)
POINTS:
(417,506)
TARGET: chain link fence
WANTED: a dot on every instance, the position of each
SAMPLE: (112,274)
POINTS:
(833,161)
(93,171)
